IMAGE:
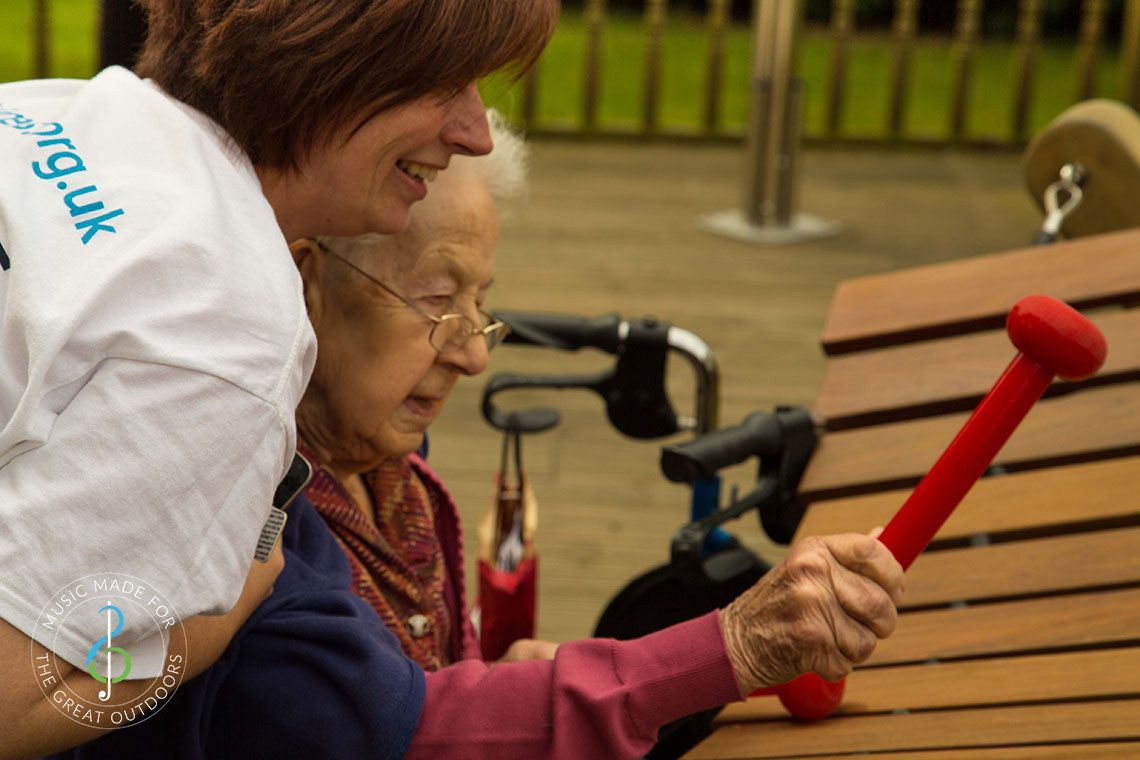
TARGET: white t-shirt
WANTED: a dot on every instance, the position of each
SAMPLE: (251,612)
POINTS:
(153,348)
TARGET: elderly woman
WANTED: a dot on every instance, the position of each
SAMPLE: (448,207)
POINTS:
(379,384)
(399,320)
(153,336)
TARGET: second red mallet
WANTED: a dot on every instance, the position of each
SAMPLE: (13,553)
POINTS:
(1053,339)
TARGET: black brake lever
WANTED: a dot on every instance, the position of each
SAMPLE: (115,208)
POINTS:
(784,442)
(636,401)
(633,391)
(566,332)
(537,419)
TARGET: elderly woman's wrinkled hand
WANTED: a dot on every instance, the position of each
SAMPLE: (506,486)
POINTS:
(823,610)
(529,649)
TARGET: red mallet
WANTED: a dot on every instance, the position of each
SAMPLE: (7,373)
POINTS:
(1053,339)
(808,697)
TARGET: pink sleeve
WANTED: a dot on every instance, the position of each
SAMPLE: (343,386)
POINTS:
(596,698)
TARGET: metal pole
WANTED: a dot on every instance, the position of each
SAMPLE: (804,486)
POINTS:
(905,24)
(1025,57)
(768,214)
(717,23)
(595,20)
(788,165)
(655,11)
(40,24)
(759,158)
(784,124)
(842,19)
(1130,54)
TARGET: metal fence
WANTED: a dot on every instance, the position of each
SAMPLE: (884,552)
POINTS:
(1089,41)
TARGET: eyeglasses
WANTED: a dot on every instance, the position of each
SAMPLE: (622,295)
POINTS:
(449,332)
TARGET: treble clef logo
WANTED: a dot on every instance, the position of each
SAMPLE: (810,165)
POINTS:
(92,653)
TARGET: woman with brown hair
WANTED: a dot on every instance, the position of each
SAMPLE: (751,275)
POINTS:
(153,337)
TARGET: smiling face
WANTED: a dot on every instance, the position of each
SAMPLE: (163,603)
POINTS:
(378,383)
(367,180)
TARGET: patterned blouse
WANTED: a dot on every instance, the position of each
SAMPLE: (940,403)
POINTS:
(398,566)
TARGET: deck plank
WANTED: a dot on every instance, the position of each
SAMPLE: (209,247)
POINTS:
(947,299)
(1108,673)
(949,375)
(1055,431)
(1040,500)
(1109,751)
(1073,620)
(1115,720)
(1023,568)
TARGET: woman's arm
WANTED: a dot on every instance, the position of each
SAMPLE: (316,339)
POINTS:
(36,727)
(821,609)
(596,698)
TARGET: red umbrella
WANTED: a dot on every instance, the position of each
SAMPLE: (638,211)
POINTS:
(508,565)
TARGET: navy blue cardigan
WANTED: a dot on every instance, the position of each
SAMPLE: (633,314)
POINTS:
(313,673)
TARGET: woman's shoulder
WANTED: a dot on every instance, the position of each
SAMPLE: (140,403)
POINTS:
(132,216)
(126,159)
(116,163)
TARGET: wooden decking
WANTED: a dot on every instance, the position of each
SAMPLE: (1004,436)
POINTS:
(612,227)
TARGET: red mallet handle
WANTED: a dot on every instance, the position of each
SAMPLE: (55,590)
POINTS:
(1053,339)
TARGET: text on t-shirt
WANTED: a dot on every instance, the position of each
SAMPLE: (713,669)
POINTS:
(54,165)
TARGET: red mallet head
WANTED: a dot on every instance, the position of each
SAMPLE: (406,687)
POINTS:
(1056,336)
(808,697)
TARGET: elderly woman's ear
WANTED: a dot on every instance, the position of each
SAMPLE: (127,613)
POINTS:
(311,264)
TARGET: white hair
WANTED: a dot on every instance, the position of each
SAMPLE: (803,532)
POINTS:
(504,170)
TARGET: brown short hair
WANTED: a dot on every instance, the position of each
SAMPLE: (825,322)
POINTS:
(281,76)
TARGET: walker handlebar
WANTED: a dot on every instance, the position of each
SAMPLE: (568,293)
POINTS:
(567,332)
(759,434)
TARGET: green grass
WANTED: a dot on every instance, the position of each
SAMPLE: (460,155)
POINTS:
(72,42)
(73,54)
(869,62)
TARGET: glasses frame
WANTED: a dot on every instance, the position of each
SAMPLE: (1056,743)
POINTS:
(493,332)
